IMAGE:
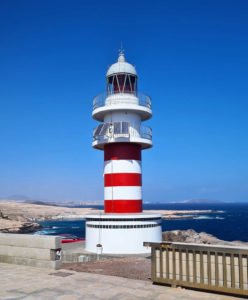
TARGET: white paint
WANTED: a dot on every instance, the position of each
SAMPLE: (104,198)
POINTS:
(122,98)
(125,116)
(145,113)
(123,193)
(122,116)
(121,67)
(123,107)
(124,240)
(145,143)
(122,166)
(118,216)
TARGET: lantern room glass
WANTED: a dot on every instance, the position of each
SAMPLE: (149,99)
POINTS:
(122,83)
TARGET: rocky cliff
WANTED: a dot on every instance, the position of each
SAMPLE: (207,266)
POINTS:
(191,236)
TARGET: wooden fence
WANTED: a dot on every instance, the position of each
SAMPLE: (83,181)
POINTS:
(206,267)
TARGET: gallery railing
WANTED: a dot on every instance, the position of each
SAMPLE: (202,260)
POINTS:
(205,267)
(109,99)
(120,129)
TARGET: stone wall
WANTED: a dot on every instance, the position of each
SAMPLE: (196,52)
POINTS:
(32,250)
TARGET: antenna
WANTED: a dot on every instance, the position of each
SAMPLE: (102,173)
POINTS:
(121,50)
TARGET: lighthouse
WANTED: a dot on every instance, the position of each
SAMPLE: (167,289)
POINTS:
(121,136)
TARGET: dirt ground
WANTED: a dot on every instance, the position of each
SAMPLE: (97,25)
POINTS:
(127,267)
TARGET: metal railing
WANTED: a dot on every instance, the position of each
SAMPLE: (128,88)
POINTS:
(121,129)
(140,99)
(206,267)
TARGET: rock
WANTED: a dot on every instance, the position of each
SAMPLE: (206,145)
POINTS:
(2,216)
(191,236)
(29,227)
(15,226)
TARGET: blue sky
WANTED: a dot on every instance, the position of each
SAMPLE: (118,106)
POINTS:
(192,59)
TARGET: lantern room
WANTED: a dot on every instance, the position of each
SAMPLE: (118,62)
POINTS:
(122,77)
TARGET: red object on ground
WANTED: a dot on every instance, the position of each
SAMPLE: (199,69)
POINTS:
(70,239)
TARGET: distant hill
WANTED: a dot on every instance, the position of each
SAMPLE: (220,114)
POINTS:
(25,199)
(38,202)
(15,198)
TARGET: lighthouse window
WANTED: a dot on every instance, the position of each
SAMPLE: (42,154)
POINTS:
(133,83)
(104,129)
(128,87)
(116,85)
(122,83)
(125,127)
(117,127)
(98,129)
(123,226)
(110,85)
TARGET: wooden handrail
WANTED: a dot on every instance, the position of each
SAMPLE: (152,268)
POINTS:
(207,267)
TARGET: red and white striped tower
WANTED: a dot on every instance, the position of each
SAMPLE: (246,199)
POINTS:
(122,137)
(122,178)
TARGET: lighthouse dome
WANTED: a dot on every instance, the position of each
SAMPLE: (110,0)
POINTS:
(121,66)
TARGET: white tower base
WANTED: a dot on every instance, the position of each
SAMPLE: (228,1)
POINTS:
(122,233)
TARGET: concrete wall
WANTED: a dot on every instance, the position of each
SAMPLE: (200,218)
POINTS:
(32,250)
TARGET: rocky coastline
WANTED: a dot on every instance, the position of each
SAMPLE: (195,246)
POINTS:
(19,227)
(191,236)
(22,217)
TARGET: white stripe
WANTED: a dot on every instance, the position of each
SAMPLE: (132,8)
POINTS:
(123,193)
(122,166)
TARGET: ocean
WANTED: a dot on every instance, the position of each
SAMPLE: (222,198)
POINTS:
(228,222)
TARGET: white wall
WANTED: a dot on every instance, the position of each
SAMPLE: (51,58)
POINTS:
(122,241)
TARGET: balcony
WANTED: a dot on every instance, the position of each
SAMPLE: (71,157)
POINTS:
(137,102)
(122,132)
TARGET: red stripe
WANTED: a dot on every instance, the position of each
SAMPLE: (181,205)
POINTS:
(122,179)
(123,206)
(115,151)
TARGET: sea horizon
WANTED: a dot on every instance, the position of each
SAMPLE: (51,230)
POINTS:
(227,221)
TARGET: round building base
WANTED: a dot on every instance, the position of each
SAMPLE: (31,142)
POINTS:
(122,233)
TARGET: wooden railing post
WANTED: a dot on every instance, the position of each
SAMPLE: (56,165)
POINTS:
(213,268)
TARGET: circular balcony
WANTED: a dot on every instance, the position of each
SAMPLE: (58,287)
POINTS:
(119,132)
(137,102)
